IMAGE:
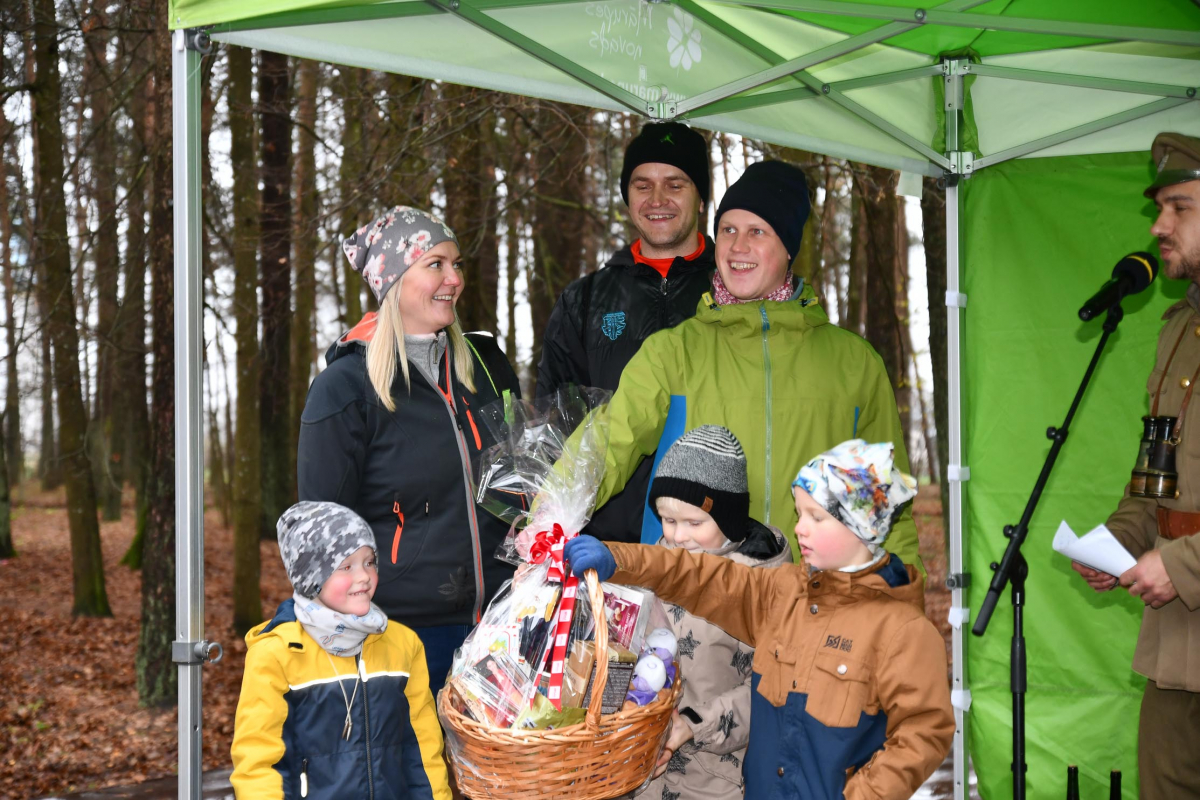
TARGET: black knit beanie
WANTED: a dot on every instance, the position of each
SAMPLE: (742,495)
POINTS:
(668,143)
(778,193)
(706,467)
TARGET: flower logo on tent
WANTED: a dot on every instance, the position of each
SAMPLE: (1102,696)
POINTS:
(684,41)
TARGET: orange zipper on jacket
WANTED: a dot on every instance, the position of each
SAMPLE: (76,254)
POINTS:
(399,529)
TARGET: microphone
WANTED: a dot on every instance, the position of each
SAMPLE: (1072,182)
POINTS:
(1132,274)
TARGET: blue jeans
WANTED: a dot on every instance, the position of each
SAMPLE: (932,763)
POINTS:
(440,643)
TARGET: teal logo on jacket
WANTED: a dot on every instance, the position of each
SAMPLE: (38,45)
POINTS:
(613,325)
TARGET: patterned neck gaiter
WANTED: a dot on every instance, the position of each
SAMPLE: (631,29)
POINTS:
(724,297)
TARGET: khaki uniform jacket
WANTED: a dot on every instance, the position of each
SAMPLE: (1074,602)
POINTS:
(851,697)
(1168,648)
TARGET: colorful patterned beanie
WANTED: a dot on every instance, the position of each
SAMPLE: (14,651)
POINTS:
(859,486)
(384,250)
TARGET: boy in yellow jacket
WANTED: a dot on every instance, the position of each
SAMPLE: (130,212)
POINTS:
(335,698)
(850,695)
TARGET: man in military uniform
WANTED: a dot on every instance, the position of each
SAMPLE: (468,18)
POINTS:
(1161,533)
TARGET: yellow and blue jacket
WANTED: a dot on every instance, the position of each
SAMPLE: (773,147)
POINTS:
(287,738)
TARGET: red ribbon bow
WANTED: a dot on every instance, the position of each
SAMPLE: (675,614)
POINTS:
(549,544)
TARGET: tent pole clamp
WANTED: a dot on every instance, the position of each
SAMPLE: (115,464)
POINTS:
(197,39)
(958,580)
(957,473)
(661,110)
(196,652)
(956,300)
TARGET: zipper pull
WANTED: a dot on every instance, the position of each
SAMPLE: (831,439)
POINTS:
(304,778)
(362,668)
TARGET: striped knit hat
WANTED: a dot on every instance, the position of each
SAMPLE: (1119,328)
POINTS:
(706,467)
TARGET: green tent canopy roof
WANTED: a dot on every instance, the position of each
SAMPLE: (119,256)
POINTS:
(849,79)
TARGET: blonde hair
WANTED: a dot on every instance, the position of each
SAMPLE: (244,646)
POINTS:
(386,350)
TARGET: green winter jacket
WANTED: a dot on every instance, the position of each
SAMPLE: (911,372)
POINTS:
(787,383)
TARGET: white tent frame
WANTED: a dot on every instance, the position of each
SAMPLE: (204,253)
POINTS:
(191,650)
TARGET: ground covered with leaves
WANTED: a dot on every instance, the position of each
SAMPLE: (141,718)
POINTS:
(69,715)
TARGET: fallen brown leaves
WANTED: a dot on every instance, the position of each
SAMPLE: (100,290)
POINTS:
(69,713)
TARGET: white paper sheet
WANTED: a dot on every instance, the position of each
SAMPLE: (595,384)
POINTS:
(1097,549)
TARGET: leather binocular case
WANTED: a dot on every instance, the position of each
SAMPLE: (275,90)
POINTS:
(1154,472)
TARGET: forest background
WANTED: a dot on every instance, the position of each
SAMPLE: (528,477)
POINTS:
(296,154)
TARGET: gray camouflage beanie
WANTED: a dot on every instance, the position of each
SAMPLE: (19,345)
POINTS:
(384,250)
(706,467)
(315,538)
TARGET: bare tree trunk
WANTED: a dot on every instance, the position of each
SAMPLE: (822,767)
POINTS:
(247,483)
(558,236)
(512,179)
(108,267)
(156,674)
(132,447)
(856,269)
(49,470)
(933,220)
(278,434)
(350,175)
(470,184)
(14,454)
(91,598)
(6,542)
(882,325)
(306,244)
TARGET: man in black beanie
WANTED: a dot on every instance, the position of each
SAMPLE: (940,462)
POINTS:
(601,320)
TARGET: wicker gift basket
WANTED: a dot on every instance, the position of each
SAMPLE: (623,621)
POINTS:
(603,757)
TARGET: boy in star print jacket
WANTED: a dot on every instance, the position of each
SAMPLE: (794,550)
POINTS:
(850,694)
(701,495)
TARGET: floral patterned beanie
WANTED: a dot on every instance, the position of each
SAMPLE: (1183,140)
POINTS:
(384,250)
(859,486)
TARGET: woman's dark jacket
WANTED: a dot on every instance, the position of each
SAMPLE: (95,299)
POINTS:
(407,474)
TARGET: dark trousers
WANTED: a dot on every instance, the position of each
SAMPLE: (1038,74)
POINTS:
(1169,744)
(440,643)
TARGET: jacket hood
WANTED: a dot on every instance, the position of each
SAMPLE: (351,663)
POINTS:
(764,546)
(353,340)
(801,312)
(892,578)
(275,627)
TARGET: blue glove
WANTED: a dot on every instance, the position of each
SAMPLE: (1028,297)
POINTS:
(587,552)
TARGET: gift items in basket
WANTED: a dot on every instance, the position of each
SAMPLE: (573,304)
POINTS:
(519,710)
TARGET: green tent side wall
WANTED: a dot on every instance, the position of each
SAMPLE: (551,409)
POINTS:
(1040,236)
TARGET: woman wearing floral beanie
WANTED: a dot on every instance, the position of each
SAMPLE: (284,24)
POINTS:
(389,428)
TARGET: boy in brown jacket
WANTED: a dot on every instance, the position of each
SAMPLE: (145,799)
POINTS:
(850,697)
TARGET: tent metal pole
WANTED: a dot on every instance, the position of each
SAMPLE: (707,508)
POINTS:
(795,65)
(188,649)
(1080,131)
(539,51)
(957,472)
(1083,81)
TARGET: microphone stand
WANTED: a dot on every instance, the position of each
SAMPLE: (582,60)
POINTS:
(1015,569)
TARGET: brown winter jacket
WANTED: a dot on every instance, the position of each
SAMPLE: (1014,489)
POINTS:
(717,690)
(851,692)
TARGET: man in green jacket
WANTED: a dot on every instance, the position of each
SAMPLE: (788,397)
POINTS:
(760,358)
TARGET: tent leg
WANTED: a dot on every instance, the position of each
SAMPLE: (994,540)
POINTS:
(189,651)
(954,301)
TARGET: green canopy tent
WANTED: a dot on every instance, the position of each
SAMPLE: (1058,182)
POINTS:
(1048,108)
